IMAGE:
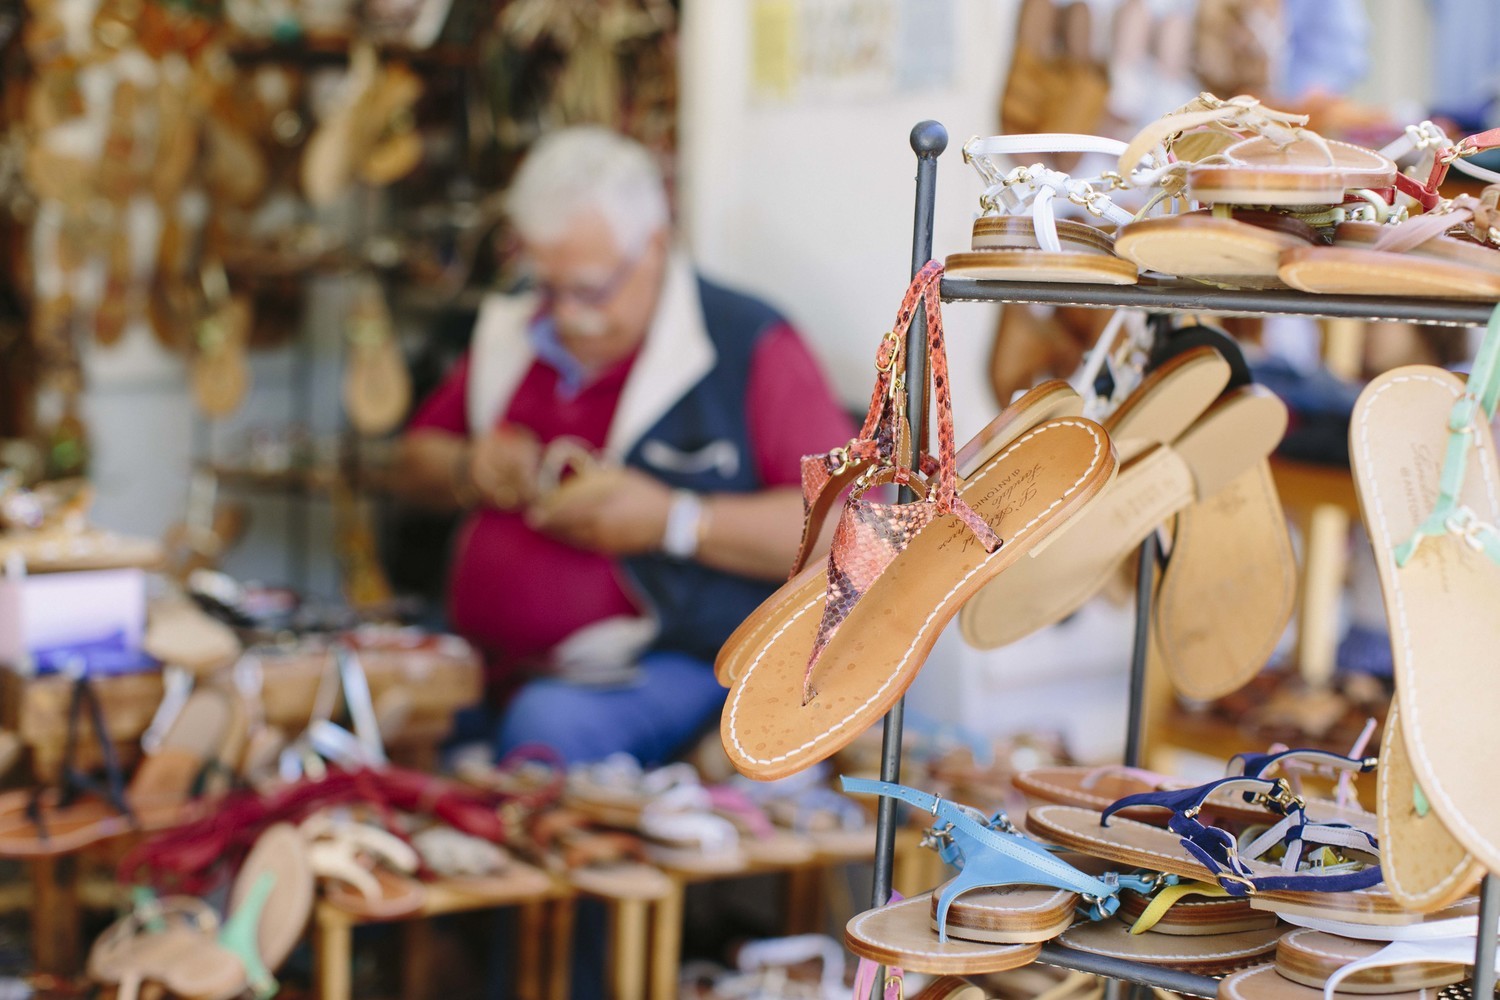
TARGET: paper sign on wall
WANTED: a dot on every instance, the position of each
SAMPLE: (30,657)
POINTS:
(817,51)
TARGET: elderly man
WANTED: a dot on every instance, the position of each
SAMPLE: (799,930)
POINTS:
(698,399)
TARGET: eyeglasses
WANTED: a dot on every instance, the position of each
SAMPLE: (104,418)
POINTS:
(590,296)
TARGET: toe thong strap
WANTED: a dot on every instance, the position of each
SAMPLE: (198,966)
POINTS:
(994,854)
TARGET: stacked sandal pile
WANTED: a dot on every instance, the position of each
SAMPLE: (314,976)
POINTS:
(1205,879)
(1238,195)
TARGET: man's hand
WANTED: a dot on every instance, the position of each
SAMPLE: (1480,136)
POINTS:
(617,511)
(502,467)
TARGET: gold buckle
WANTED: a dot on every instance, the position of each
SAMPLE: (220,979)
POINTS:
(894,338)
(1281,795)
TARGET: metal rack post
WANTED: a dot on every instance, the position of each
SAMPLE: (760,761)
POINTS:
(928,140)
(1145,578)
(1484,938)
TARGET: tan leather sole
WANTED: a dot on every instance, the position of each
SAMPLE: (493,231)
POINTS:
(1128,842)
(1207,248)
(1424,867)
(1265,983)
(1198,916)
(1312,957)
(1441,605)
(1041,265)
(1261,174)
(1026,492)
(900,935)
(1442,267)
(1057,581)
(1206,955)
(1008,915)
(1050,400)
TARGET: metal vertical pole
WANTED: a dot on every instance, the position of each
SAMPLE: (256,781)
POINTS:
(1145,577)
(1484,941)
(928,140)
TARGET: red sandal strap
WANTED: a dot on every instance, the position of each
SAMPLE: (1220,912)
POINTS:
(869,536)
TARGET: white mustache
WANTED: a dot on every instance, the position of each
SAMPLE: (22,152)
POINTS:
(584,325)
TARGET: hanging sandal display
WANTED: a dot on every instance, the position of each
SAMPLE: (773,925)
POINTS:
(898,573)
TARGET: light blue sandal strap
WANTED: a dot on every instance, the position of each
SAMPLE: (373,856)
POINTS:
(993,853)
(241,935)
(1475,407)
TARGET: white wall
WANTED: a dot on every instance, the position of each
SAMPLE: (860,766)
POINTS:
(810,204)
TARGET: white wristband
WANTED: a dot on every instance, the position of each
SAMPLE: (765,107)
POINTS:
(684,519)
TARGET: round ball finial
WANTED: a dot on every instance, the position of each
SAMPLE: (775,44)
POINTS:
(929,138)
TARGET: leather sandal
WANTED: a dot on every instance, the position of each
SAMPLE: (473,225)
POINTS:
(897,574)
(1019,237)
(1011,895)
(1327,962)
(821,488)
(1204,954)
(269,905)
(364,870)
(1153,484)
(1415,258)
(992,854)
(163,792)
(1335,861)
(1437,567)
(1265,982)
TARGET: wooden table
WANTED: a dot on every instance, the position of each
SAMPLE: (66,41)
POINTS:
(544,945)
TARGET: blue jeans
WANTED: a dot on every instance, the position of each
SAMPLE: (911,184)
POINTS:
(653,718)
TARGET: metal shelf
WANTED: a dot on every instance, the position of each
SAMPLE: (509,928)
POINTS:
(1186,983)
(1179,296)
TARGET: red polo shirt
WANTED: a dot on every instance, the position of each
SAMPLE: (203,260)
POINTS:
(514,592)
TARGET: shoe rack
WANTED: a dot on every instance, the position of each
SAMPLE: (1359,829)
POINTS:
(928,141)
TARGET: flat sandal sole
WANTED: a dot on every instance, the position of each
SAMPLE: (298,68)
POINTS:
(1312,957)
(1265,983)
(1196,246)
(1204,954)
(1008,914)
(900,935)
(1042,266)
(1424,867)
(1025,493)
(1338,270)
(1441,604)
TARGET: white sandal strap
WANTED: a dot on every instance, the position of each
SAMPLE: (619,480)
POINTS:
(1457,951)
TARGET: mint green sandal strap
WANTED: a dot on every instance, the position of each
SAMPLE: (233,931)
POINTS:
(1477,405)
(241,935)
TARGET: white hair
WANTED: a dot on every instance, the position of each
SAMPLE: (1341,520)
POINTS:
(583,167)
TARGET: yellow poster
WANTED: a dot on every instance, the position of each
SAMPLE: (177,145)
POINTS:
(773,49)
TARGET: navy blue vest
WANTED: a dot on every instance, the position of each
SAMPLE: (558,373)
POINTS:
(703,444)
